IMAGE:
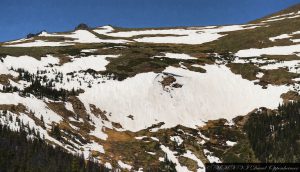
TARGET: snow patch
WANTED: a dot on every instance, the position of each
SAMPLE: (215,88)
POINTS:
(210,157)
(176,139)
(123,165)
(200,164)
(230,143)
(171,156)
(276,50)
(177,56)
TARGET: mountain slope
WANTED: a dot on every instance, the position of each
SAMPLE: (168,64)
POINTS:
(148,99)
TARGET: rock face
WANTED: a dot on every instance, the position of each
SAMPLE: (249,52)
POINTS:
(82,26)
(31,35)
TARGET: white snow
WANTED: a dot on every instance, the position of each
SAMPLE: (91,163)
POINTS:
(194,35)
(92,146)
(28,63)
(17,41)
(140,137)
(204,96)
(5,70)
(151,153)
(173,158)
(203,136)
(39,43)
(283,36)
(202,142)
(295,40)
(123,165)
(108,165)
(259,74)
(155,139)
(69,106)
(88,50)
(33,104)
(292,66)
(44,33)
(79,36)
(200,164)
(98,132)
(283,17)
(230,143)
(95,62)
(15,126)
(177,56)
(177,139)
(84,36)
(210,157)
(276,50)
(104,29)
(52,67)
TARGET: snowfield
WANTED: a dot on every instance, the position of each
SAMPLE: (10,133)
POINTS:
(37,106)
(28,63)
(192,35)
(201,98)
(78,36)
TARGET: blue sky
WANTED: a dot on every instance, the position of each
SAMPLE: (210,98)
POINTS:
(20,17)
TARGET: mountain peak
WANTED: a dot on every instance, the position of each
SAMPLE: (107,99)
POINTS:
(82,26)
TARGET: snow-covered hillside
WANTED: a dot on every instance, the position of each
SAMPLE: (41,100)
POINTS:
(121,95)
